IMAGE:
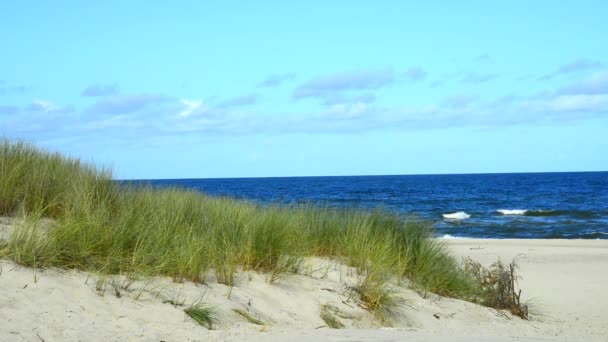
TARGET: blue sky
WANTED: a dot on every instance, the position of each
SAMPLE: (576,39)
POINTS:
(232,89)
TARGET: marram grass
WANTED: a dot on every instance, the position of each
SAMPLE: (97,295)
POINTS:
(202,314)
(116,228)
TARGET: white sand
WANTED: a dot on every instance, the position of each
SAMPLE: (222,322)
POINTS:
(565,276)
(566,280)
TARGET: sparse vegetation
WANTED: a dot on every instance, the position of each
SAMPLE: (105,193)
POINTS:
(498,286)
(75,216)
(376,296)
(249,317)
(174,299)
(328,317)
(202,314)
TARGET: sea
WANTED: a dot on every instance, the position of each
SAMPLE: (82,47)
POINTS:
(565,205)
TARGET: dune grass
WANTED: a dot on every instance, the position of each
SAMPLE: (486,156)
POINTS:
(329,318)
(202,314)
(116,228)
(249,317)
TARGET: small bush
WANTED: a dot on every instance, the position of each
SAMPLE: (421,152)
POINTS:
(498,286)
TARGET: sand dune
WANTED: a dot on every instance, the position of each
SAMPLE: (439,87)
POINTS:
(565,279)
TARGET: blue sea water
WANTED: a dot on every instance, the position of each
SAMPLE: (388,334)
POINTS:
(571,205)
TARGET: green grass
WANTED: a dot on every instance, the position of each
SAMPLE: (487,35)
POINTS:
(377,296)
(330,320)
(115,228)
(202,314)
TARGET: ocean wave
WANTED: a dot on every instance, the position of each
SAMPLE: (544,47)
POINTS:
(460,215)
(581,214)
(512,211)
(541,212)
(448,237)
(578,214)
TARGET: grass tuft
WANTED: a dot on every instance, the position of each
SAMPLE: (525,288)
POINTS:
(330,320)
(202,314)
(376,296)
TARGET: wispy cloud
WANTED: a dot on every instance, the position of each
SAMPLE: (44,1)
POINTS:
(347,103)
(438,83)
(579,65)
(459,101)
(349,111)
(415,74)
(39,119)
(483,58)
(8,110)
(596,103)
(276,80)
(123,104)
(588,96)
(326,86)
(45,106)
(100,90)
(42,106)
(6,88)
(576,66)
(191,107)
(476,78)
(596,84)
(239,101)
(505,101)
(346,98)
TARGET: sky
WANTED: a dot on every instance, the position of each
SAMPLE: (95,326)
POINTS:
(271,88)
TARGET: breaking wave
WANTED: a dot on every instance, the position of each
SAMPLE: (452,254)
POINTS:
(512,211)
(448,236)
(579,214)
(460,215)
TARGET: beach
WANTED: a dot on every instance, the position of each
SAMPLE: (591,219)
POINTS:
(563,279)
(317,171)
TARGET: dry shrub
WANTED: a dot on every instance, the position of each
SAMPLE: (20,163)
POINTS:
(498,286)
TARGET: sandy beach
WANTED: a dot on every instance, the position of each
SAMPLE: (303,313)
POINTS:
(321,171)
(563,279)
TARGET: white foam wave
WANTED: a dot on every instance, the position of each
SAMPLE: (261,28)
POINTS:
(448,236)
(512,211)
(461,215)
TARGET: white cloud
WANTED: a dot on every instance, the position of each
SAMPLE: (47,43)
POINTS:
(575,103)
(43,105)
(349,111)
(190,107)
(460,101)
(596,84)
(49,107)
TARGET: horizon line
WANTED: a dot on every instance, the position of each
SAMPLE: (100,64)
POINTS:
(368,175)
